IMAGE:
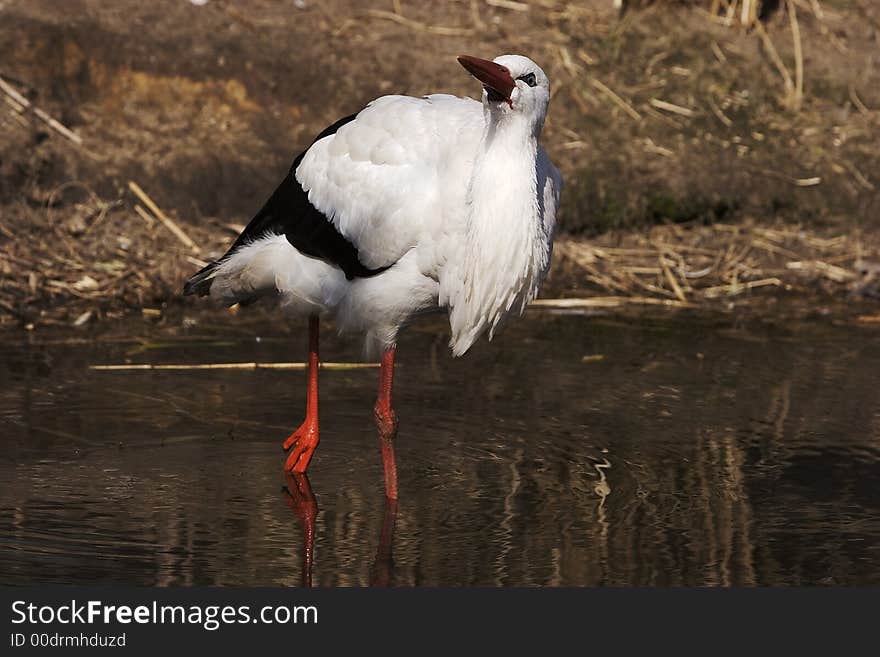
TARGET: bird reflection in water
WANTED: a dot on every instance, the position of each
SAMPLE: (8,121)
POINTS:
(301,500)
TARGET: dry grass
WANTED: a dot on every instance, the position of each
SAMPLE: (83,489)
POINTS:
(103,261)
(81,259)
(689,266)
(710,124)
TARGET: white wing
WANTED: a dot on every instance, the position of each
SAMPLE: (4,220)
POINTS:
(382,178)
(552,189)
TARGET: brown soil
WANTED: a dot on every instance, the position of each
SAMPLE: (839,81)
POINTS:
(205,107)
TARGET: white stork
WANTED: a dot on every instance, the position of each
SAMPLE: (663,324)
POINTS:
(412,204)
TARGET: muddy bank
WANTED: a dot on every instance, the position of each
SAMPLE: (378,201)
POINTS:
(662,116)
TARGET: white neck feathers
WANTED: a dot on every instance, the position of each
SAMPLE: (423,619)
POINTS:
(504,253)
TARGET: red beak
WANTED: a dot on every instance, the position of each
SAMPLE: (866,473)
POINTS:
(495,76)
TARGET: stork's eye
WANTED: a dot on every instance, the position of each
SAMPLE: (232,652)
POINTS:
(529,79)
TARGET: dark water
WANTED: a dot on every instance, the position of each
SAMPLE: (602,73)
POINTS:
(691,453)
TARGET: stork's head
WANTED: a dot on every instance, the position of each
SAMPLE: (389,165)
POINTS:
(511,83)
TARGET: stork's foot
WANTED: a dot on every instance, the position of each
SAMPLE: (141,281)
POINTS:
(302,444)
(386,423)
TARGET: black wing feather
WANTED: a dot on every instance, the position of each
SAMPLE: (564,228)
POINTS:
(289,212)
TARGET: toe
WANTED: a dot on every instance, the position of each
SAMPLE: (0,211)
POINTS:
(291,439)
(292,460)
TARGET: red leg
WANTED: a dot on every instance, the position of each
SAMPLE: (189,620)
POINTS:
(386,421)
(305,439)
(301,500)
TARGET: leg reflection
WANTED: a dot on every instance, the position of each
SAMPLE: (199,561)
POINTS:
(301,500)
(382,574)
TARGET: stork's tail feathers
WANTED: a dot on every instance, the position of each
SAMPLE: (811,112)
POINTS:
(266,266)
(200,283)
